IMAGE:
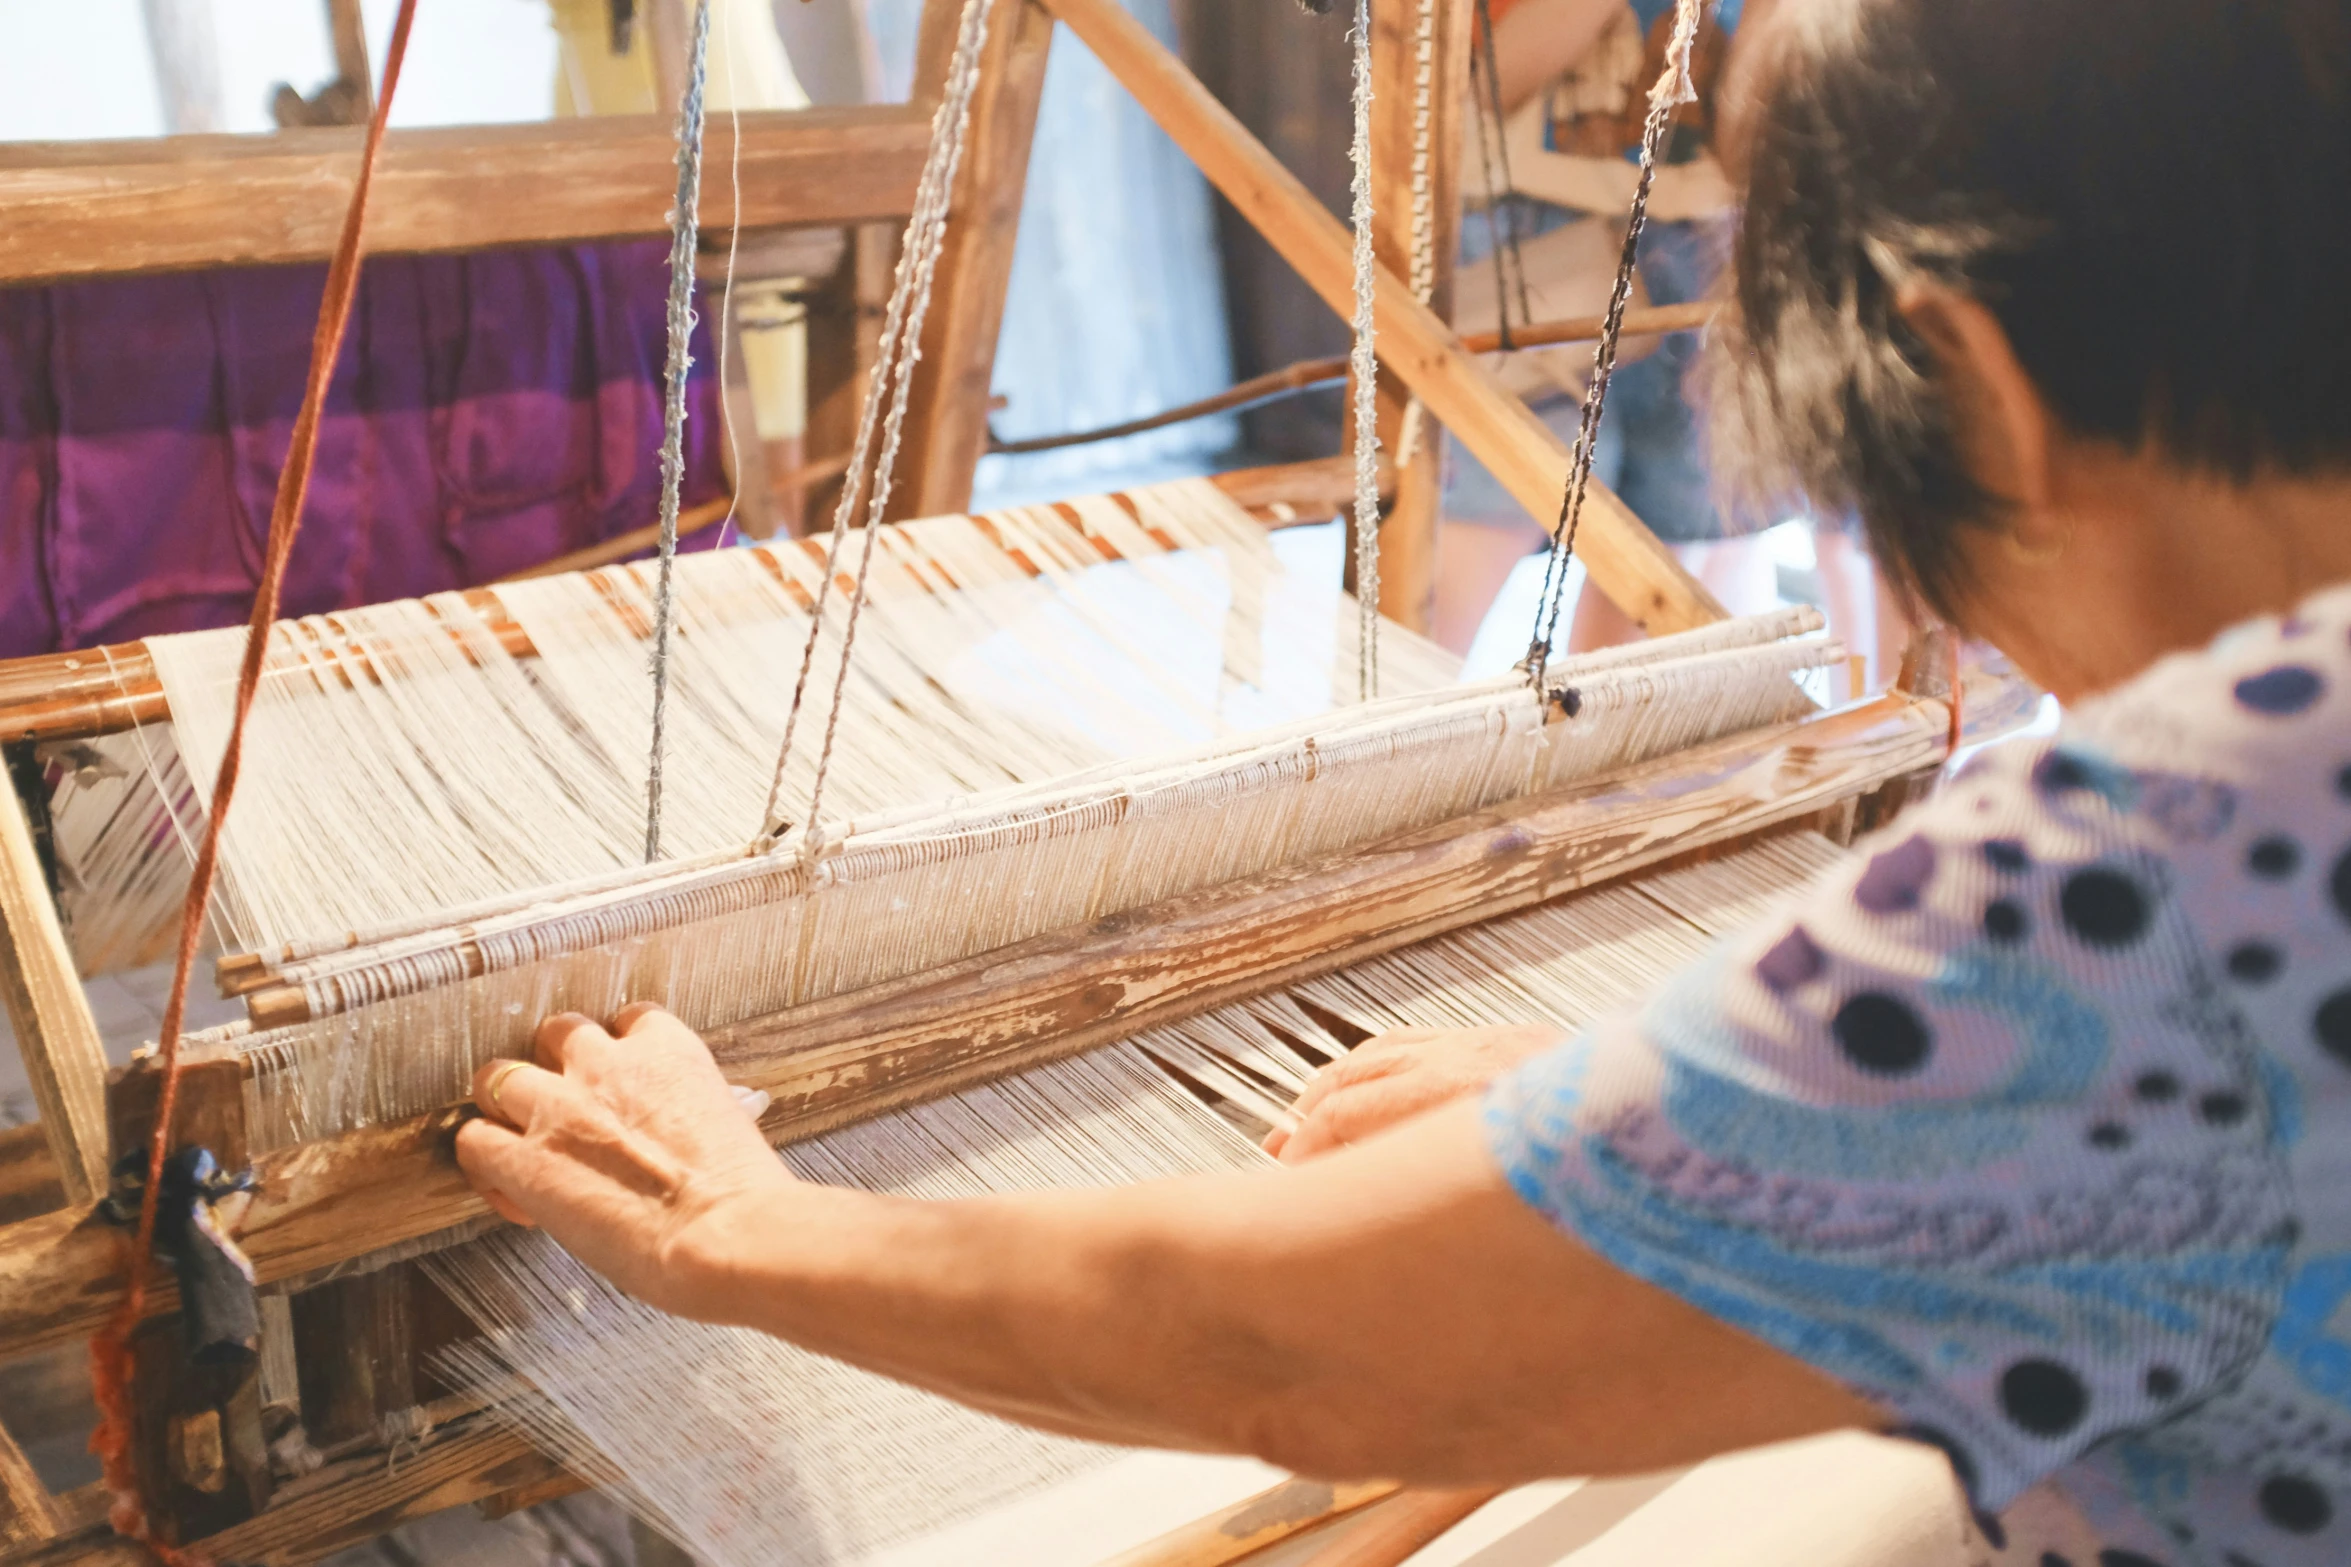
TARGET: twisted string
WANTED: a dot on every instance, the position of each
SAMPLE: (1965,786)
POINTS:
(1674,88)
(910,296)
(684,234)
(111,1366)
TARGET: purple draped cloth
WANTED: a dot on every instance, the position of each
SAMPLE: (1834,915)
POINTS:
(489,412)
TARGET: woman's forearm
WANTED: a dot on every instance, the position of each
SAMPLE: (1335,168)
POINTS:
(1538,41)
(1039,1307)
(1393,1311)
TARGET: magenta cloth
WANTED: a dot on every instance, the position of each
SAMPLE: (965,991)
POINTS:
(489,412)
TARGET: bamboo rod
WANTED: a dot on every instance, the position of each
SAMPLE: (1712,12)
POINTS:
(1256,1524)
(1394,1533)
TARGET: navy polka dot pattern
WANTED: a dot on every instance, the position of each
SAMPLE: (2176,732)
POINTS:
(2033,1123)
(2281,692)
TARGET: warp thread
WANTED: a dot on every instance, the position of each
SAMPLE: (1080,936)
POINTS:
(1364,371)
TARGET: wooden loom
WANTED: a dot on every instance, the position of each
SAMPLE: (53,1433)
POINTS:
(853,1055)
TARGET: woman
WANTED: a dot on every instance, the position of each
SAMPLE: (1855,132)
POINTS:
(1572,78)
(2029,1135)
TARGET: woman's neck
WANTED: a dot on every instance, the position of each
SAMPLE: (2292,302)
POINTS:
(2157,561)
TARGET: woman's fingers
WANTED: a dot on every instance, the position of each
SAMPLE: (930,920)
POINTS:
(507,1091)
(627,1019)
(562,1037)
(485,1152)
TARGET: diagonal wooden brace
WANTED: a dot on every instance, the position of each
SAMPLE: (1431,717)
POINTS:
(1640,575)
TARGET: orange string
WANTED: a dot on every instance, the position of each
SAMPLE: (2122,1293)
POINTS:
(110,1349)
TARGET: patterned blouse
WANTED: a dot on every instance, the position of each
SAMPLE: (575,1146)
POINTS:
(2035,1123)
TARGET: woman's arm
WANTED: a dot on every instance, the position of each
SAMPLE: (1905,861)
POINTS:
(1392,1077)
(1392,1310)
(1538,41)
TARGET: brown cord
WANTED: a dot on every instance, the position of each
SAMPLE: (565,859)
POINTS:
(1311,374)
(110,1350)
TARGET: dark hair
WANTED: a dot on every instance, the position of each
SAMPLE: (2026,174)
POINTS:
(2153,198)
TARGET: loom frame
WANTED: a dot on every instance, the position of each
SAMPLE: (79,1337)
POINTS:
(1065,992)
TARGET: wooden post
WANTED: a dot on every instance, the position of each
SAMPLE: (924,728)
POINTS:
(947,409)
(26,1514)
(1640,576)
(741,452)
(196,1438)
(1400,30)
(349,29)
(54,1030)
(180,45)
(844,337)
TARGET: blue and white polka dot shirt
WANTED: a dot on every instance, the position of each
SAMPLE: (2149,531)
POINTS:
(2034,1124)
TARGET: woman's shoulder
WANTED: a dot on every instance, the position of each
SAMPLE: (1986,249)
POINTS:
(2264,708)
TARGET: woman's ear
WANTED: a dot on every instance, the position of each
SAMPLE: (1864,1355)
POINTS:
(2005,431)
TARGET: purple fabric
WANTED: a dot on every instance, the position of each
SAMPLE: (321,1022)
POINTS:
(489,412)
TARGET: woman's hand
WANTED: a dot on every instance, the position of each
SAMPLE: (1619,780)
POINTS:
(630,1149)
(1396,1076)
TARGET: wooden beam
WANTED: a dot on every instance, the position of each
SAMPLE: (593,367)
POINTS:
(853,1056)
(947,406)
(83,209)
(26,1516)
(1640,575)
(1408,531)
(55,1033)
(345,1504)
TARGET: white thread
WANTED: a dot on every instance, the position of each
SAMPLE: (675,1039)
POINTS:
(1364,370)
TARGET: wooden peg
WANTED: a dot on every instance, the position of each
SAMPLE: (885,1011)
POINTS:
(196,1439)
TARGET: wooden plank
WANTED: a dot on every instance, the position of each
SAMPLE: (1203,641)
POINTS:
(28,1175)
(55,1033)
(1408,531)
(1640,575)
(947,406)
(82,209)
(853,1056)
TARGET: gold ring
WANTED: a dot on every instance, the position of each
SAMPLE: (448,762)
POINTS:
(498,1082)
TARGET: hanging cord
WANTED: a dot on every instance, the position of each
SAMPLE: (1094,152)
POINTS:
(726,291)
(899,349)
(1424,199)
(1364,365)
(1674,88)
(1503,240)
(110,1349)
(684,236)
